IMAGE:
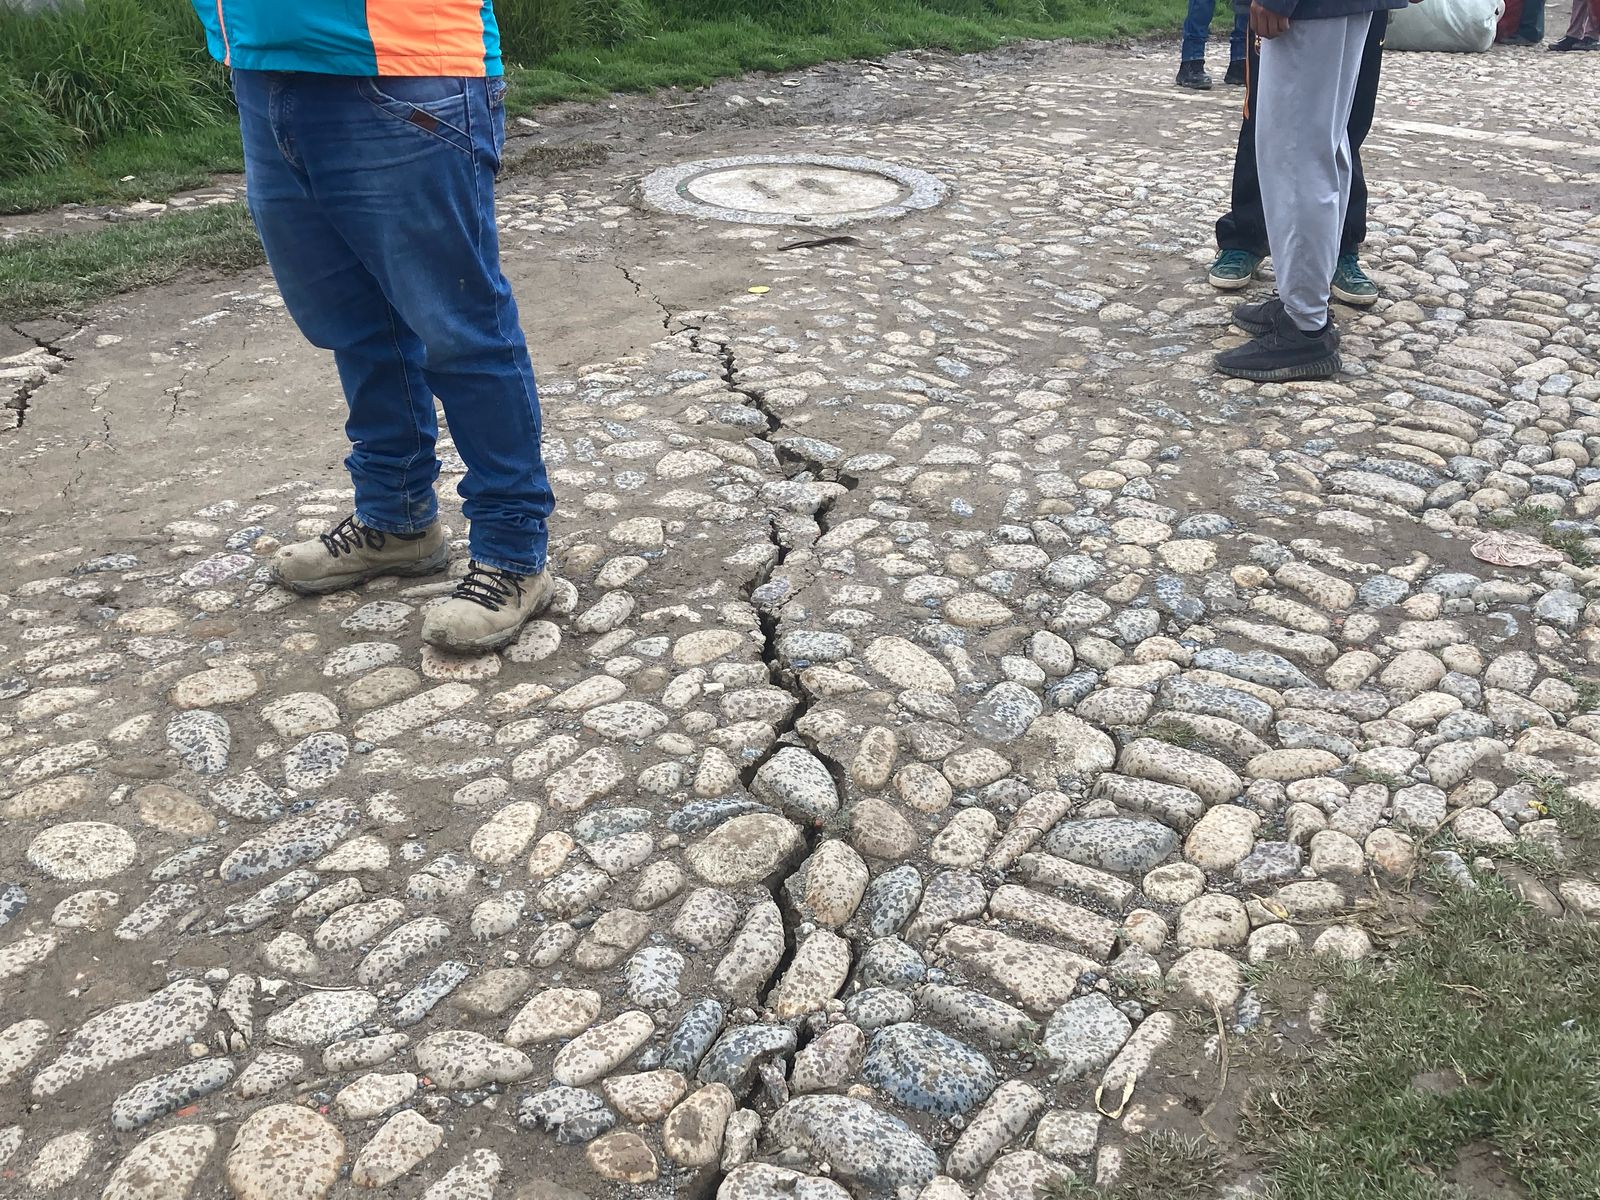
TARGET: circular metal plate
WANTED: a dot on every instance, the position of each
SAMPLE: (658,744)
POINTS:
(817,191)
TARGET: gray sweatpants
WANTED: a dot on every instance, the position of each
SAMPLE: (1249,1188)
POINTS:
(1308,80)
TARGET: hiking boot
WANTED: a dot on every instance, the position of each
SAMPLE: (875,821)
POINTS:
(1236,76)
(487,610)
(1234,269)
(350,553)
(1258,319)
(1284,354)
(1350,282)
(1192,74)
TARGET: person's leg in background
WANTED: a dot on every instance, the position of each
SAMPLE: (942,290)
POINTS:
(1583,32)
(1238,49)
(339,306)
(1350,282)
(1308,80)
(1242,230)
(1530,30)
(1192,58)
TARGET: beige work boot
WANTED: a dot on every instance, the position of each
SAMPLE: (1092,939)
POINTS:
(487,610)
(350,553)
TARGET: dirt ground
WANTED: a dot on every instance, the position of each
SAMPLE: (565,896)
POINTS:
(911,404)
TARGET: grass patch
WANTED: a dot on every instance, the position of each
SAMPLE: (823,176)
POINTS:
(35,138)
(1532,519)
(1162,1166)
(1372,775)
(1579,822)
(1473,1062)
(104,89)
(141,167)
(53,274)
(692,42)
(1588,691)
(1174,733)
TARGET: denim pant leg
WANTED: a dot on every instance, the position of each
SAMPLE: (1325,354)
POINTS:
(339,306)
(1196,29)
(405,168)
(1238,40)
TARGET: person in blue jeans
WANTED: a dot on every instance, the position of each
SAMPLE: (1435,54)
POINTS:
(1192,58)
(372,138)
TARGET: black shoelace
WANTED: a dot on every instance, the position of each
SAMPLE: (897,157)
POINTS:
(349,535)
(488,586)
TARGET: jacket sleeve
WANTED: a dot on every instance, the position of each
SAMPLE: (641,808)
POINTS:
(1281,7)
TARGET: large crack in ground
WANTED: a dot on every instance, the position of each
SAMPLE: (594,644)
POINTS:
(35,369)
(768,602)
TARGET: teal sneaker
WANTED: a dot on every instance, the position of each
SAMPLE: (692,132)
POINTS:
(1350,282)
(1234,269)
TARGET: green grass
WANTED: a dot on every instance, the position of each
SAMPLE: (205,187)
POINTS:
(1371,775)
(1502,998)
(1540,522)
(113,101)
(1462,1065)
(1174,733)
(35,138)
(1588,691)
(1163,1166)
(1579,822)
(115,88)
(696,41)
(139,167)
(54,274)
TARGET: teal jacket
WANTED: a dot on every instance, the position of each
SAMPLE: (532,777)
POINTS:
(354,37)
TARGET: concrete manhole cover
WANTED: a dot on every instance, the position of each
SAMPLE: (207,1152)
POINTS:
(791,189)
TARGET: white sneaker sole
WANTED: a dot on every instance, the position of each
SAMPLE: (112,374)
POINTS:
(1353,299)
(1225,283)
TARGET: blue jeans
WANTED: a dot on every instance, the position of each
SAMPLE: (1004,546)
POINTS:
(1197,28)
(374,198)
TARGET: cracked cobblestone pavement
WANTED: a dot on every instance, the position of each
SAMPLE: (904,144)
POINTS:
(954,684)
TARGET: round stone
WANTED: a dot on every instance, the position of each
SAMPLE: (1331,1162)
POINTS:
(745,850)
(82,851)
(285,1152)
(166,1164)
(928,1070)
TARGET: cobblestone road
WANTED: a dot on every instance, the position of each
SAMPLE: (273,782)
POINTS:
(954,684)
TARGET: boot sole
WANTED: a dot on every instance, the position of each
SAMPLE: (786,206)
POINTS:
(432,565)
(1326,368)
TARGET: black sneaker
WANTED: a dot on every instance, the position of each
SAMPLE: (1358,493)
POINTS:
(1284,354)
(1258,319)
(1192,74)
(1574,43)
(1236,75)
